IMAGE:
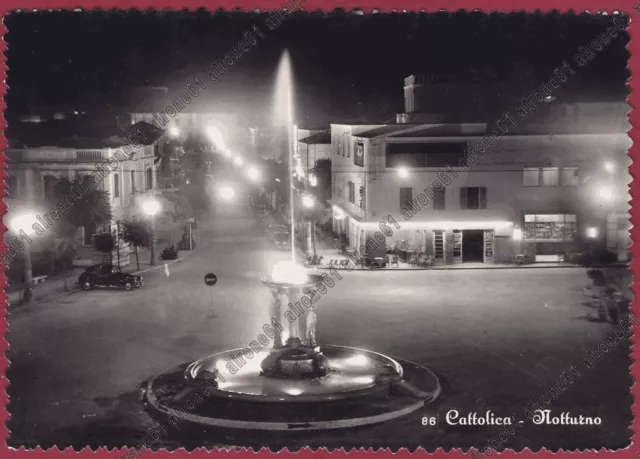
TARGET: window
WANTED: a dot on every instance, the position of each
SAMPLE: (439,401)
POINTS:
(531,176)
(352,192)
(549,227)
(149,183)
(550,176)
(439,200)
(425,154)
(569,176)
(347,145)
(49,184)
(358,156)
(12,186)
(473,198)
(406,196)
(116,186)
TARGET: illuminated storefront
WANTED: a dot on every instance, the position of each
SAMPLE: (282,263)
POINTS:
(549,236)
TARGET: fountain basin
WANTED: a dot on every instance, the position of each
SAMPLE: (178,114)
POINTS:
(365,388)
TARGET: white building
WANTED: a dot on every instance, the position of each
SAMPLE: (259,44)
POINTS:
(454,192)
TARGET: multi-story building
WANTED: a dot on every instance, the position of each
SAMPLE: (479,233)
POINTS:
(34,166)
(485,192)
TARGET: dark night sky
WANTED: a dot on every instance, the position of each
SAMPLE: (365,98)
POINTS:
(344,64)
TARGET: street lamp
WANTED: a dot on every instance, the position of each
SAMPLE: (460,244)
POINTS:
(403,172)
(151,207)
(253,173)
(308,201)
(605,193)
(592,232)
(174,132)
(238,161)
(227,193)
(313,180)
(22,225)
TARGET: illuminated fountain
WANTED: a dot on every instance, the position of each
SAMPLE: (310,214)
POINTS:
(284,380)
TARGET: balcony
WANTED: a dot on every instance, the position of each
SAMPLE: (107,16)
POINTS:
(56,155)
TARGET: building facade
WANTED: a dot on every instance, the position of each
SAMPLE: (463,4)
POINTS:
(127,173)
(459,194)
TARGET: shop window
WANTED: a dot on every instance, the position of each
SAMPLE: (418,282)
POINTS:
(550,176)
(473,197)
(531,176)
(549,227)
(569,176)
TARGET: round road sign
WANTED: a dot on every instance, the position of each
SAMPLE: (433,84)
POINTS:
(210,279)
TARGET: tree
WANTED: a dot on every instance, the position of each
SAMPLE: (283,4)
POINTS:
(179,208)
(105,243)
(138,234)
(322,171)
(92,208)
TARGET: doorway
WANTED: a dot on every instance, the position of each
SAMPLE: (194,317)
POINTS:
(473,246)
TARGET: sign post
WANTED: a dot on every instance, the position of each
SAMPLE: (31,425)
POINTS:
(211,279)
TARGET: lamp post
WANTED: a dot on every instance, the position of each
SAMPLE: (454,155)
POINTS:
(22,225)
(151,208)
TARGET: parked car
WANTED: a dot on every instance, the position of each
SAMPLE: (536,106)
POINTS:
(272,229)
(105,275)
(281,240)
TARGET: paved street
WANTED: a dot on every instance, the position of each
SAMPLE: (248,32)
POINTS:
(496,338)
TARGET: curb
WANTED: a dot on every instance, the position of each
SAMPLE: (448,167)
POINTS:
(158,266)
(326,268)
(74,289)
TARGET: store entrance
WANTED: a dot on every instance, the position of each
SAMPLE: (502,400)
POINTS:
(473,246)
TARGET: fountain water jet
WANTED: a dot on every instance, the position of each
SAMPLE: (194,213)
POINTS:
(305,385)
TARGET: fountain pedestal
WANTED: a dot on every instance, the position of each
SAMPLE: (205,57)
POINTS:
(299,357)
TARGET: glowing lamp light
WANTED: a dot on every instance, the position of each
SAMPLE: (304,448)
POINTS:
(293,391)
(592,232)
(605,193)
(289,272)
(238,161)
(313,181)
(227,193)
(253,173)
(338,214)
(23,223)
(308,201)
(517,234)
(151,207)
(226,153)
(609,167)
(403,172)
(174,131)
